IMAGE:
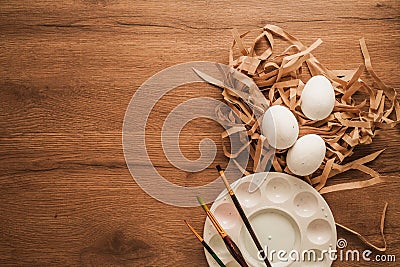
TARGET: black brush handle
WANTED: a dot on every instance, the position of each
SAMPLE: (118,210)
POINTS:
(234,250)
(250,230)
(209,249)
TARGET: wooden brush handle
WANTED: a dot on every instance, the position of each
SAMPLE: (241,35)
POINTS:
(234,250)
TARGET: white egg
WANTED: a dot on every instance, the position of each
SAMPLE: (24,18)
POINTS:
(317,98)
(306,155)
(280,127)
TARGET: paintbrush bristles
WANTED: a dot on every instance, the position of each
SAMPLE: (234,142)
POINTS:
(203,204)
(219,168)
(194,231)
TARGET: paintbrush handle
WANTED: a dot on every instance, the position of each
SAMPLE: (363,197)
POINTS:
(250,229)
(234,250)
(211,251)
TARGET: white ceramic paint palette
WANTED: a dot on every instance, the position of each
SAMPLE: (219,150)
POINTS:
(285,212)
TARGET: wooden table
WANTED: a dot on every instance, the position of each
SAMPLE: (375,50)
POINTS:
(68,71)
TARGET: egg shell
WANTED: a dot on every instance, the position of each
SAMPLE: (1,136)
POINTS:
(280,127)
(317,98)
(306,155)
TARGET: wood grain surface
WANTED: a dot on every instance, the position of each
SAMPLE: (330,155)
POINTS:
(68,71)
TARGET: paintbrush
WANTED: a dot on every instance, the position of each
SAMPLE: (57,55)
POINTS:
(243,216)
(230,245)
(205,245)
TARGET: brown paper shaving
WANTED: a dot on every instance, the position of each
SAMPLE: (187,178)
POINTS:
(357,185)
(365,240)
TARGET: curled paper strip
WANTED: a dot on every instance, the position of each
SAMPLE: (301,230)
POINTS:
(365,240)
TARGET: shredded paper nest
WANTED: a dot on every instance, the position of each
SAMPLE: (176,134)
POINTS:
(362,107)
(281,77)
